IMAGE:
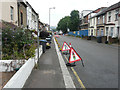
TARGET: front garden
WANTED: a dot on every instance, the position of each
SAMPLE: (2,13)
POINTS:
(17,43)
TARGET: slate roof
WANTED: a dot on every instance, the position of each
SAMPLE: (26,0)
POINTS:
(104,10)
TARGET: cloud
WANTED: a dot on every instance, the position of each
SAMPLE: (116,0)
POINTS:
(64,7)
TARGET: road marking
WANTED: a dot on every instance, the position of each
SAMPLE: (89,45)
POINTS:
(66,75)
(75,73)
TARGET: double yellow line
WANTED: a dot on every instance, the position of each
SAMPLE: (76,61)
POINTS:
(58,44)
(75,73)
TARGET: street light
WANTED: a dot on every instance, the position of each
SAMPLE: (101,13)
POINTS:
(49,15)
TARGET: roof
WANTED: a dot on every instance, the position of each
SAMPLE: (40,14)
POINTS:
(28,4)
(86,10)
(40,22)
(96,11)
(99,9)
(114,6)
(22,2)
(104,10)
(32,8)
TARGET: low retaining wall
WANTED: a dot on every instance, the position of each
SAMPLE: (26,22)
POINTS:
(9,65)
(20,77)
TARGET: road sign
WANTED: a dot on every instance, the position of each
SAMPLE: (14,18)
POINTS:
(65,47)
(74,56)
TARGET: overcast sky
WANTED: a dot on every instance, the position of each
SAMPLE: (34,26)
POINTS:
(64,7)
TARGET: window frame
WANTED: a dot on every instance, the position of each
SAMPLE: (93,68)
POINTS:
(21,16)
(98,32)
(102,32)
(109,16)
(106,32)
(111,31)
(98,20)
(116,14)
(12,13)
(91,32)
(103,18)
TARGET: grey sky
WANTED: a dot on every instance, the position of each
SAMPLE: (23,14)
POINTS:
(64,7)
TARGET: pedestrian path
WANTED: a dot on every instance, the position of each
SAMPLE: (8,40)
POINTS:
(48,74)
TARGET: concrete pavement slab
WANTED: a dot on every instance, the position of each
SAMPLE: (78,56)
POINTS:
(48,74)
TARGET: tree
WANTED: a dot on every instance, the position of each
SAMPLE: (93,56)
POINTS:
(64,24)
(74,20)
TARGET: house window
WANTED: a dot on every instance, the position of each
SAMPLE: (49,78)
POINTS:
(112,31)
(98,20)
(11,12)
(103,19)
(95,32)
(92,32)
(109,16)
(21,15)
(98,32)
(93,21)
(102,34)
(116,14)
(106,31)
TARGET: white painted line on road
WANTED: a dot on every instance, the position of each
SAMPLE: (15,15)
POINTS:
(66,75)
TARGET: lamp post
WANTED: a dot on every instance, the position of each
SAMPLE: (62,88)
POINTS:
(49,15)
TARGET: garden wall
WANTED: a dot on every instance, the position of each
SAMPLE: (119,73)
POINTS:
(20,77)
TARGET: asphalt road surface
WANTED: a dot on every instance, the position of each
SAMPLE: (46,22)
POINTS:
(101,63)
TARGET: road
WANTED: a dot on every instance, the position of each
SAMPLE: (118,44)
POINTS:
(101,63)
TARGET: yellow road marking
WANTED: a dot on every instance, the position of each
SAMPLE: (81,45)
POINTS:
(75,73)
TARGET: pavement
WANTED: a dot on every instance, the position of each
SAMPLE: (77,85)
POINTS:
(50,73)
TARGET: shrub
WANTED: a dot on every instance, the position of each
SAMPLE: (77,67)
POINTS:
(17,43)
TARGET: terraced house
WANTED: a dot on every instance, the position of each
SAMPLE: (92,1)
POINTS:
(84,19)
(84,23)
(32,18)
(22,14)
(112,26)
(93,21)
(8,11)
(101,21)
(105,24)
